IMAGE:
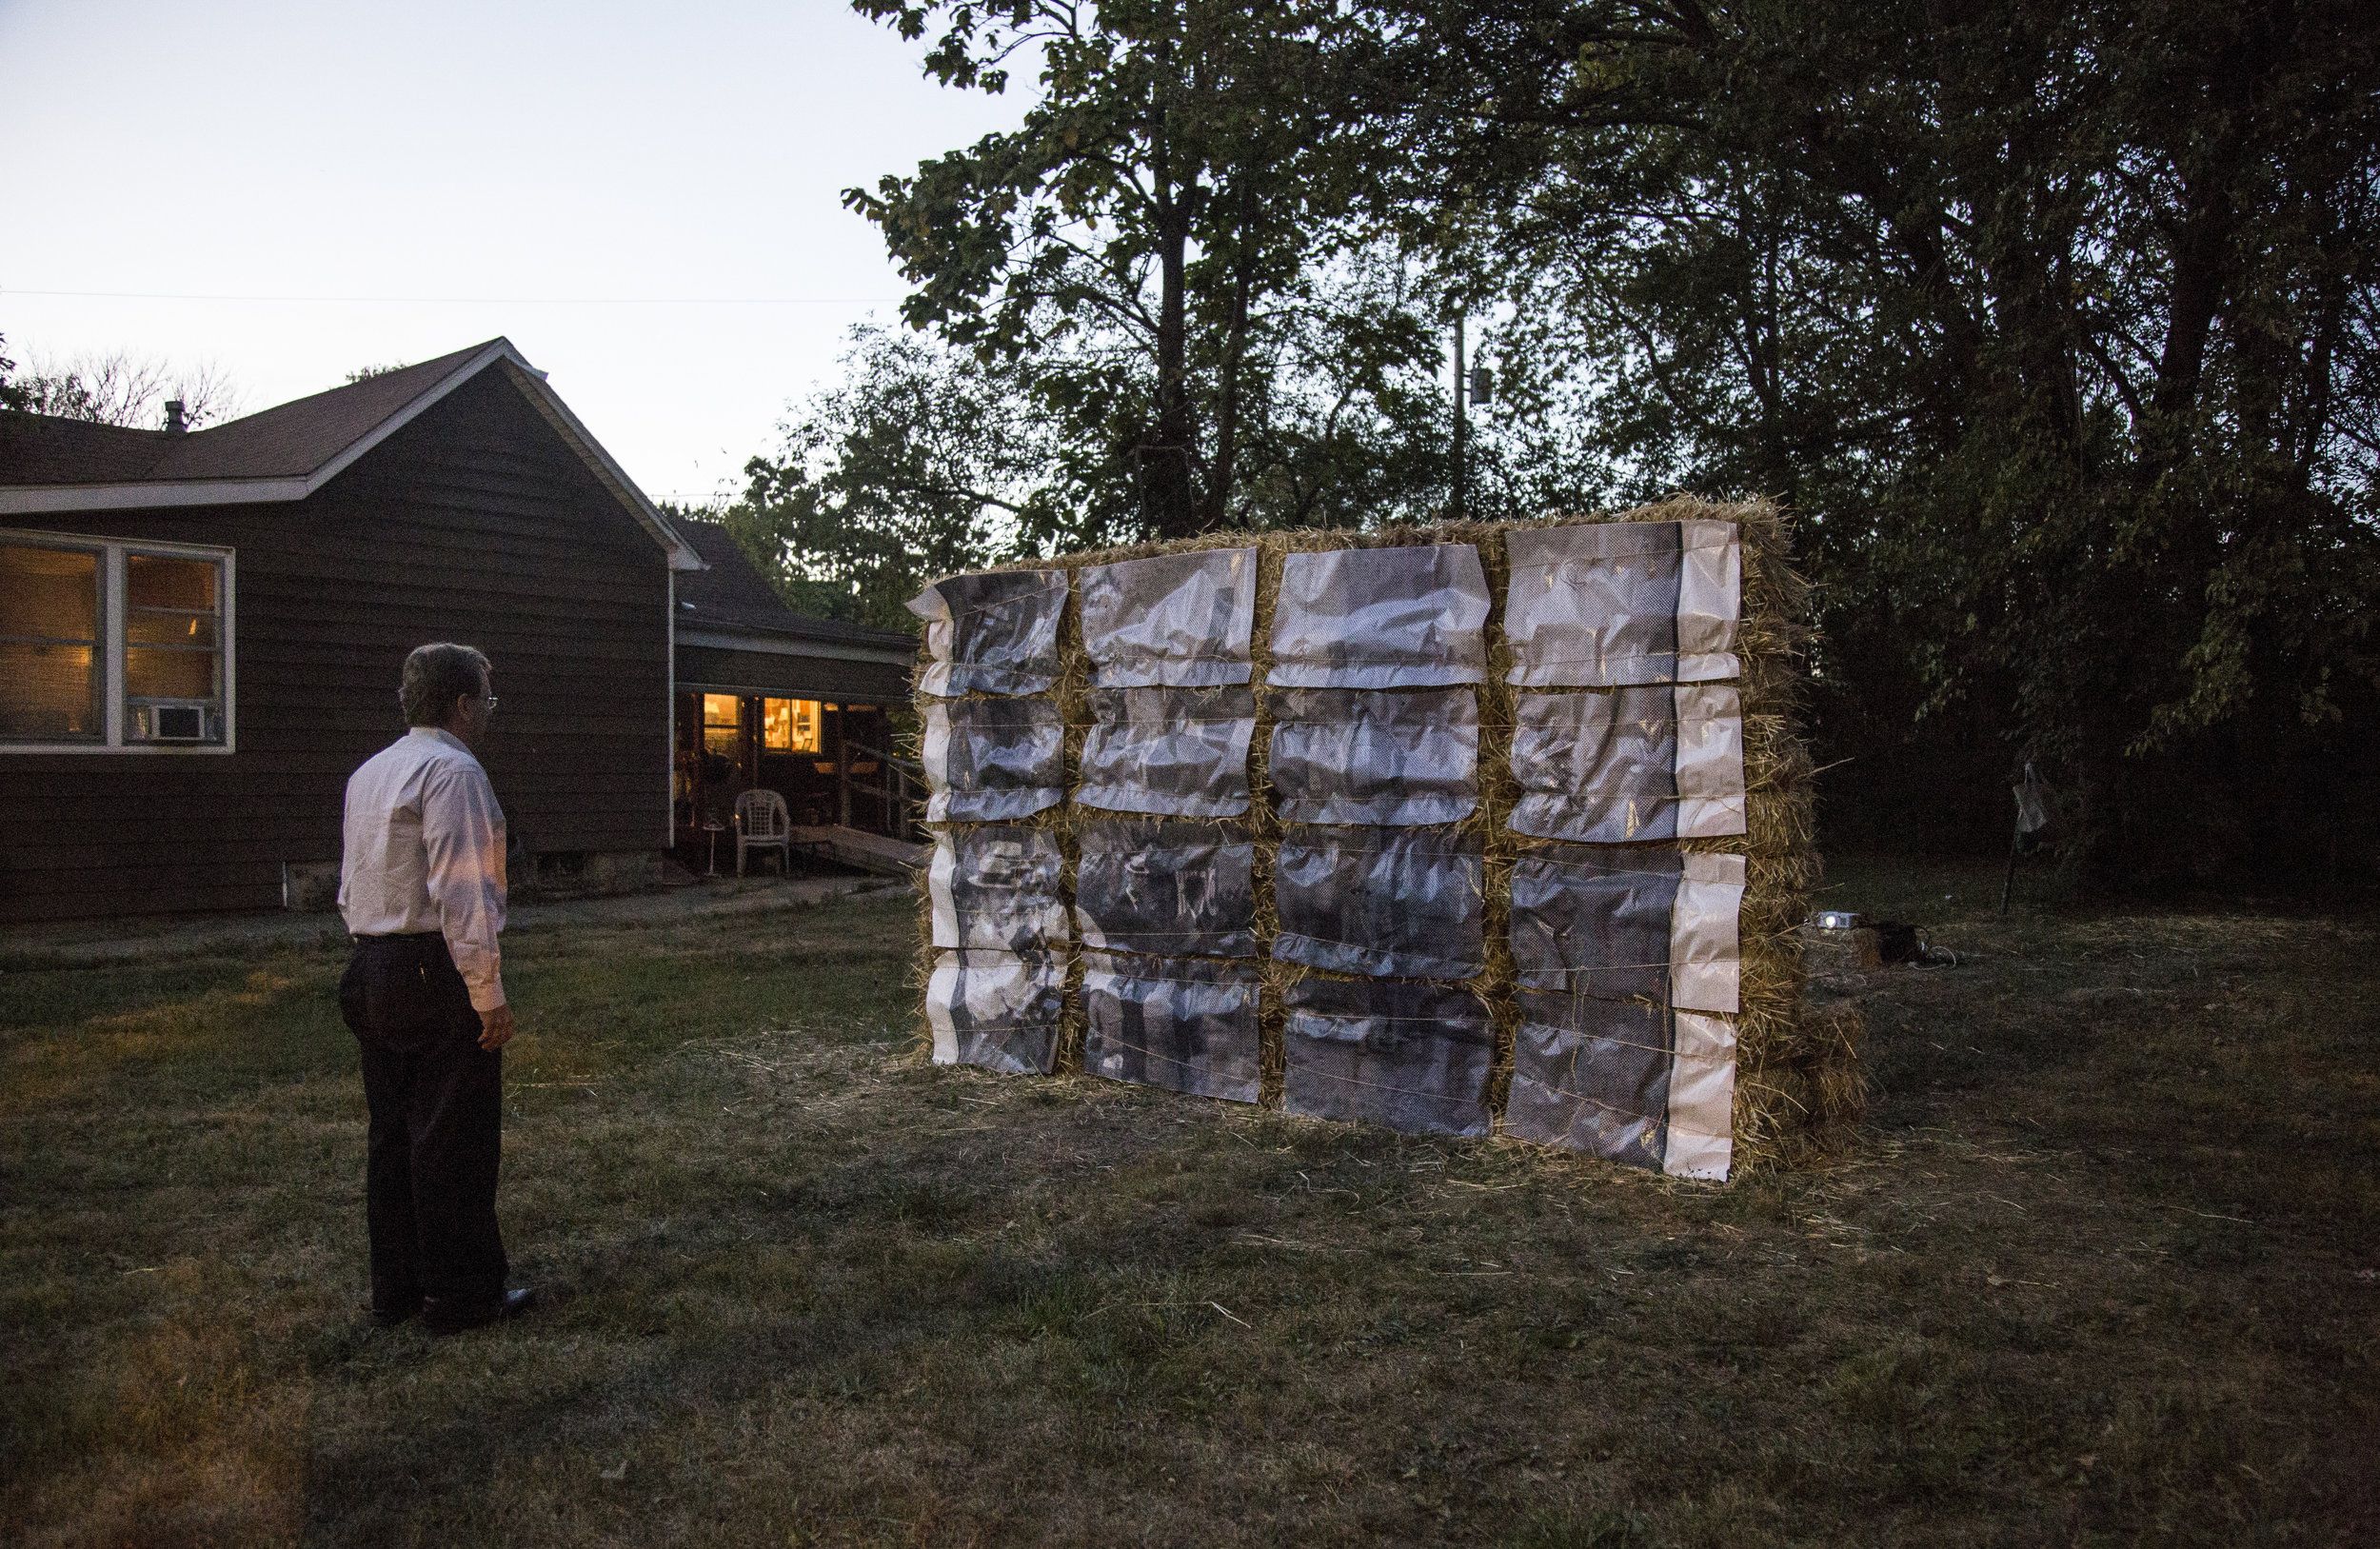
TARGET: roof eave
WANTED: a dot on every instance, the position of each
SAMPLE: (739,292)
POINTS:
(607,471)
(32,499)
(779,642)
(137,494)
(795,627)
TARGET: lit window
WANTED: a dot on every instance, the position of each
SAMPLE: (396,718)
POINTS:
(107,644)
(49,656)
(722,725)
(790,726)
(172,649)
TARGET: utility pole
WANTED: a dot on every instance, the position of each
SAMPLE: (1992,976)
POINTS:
(1473,383)
(1461,426)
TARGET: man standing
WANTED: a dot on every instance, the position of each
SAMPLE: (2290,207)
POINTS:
(422,888)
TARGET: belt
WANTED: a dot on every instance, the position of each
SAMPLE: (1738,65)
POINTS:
(401,936)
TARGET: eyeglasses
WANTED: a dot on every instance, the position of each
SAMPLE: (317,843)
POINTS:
(488,700)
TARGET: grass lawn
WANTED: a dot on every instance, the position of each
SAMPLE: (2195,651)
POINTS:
(2106,1269)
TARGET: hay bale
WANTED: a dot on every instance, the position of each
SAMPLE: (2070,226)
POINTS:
(1799,1088)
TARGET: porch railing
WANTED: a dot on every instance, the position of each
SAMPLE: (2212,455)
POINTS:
(902,790)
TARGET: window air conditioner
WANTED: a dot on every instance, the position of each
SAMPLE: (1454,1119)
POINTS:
(173,723)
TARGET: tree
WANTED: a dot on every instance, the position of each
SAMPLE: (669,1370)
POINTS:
(2055,324)
(926,459)
(1157,259)
(920,463)
(122,389)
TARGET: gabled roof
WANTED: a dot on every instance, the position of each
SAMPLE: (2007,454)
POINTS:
(732,598)
(45,449)
(283,453)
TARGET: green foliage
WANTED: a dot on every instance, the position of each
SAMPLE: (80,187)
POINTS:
(927,458)
(1157,262)
(921,462)
(2056,325)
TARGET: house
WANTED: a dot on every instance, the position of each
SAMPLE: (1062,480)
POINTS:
(201,633)
(768,698)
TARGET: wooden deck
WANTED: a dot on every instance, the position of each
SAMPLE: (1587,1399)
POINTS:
(869,852)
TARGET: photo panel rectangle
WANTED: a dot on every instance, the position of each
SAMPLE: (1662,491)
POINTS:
(1625,1080)
(1173,620)
(1174,752)
(1706,936)
(1388,902)
(1165,886)
(1187,1025)
(1650,762)
(992,760)
(1591,1076)
(1380,618)
(1607,603)
(1700,1140)
(999,1011)
(1582,924)
(1393,757)
(995,632)
(1415,1058)
(1646,924)
(997,889)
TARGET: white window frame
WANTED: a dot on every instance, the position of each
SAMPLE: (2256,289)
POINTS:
(112,552)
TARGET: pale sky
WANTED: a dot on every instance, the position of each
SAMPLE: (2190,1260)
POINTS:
(645,198)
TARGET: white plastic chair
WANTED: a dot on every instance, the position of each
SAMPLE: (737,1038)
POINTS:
(763,823)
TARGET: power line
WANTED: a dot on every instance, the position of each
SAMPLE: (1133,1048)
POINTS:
(470,301)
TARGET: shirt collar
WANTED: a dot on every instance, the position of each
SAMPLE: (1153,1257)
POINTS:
(443,735)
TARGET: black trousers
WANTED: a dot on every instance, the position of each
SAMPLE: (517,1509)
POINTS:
(436,1103)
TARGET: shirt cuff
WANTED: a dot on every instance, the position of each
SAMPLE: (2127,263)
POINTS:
(488,996)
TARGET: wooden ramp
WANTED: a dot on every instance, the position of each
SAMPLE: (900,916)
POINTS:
(869,852)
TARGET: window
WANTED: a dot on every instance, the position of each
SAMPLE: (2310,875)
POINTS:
(790,726)
(172,649)
(49,656)
(723,725)
(107,644)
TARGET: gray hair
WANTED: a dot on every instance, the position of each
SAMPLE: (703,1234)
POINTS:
(435,676)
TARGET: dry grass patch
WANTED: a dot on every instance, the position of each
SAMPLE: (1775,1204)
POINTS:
(2104,1268)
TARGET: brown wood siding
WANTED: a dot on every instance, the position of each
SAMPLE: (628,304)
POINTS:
(795,677)
(474,522)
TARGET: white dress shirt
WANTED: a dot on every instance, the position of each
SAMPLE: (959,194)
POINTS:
(424,850)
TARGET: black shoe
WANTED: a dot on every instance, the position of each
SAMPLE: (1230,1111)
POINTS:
(391,1317)
(513,1304)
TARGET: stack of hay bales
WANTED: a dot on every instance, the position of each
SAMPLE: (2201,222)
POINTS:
(993,741)
(1459,829)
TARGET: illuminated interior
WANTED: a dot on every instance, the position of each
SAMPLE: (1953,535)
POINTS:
(48,644)
(791,725)
(722,725)
(172,635)
(730,743)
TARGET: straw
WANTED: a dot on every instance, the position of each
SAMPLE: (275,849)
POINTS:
(1798,1091)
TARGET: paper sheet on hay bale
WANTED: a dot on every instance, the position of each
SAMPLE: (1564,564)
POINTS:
(1465,829)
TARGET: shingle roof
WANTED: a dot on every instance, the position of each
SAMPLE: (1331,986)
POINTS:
(287,440)
(301,435)
(284,454)
(733,597)
(41,448)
